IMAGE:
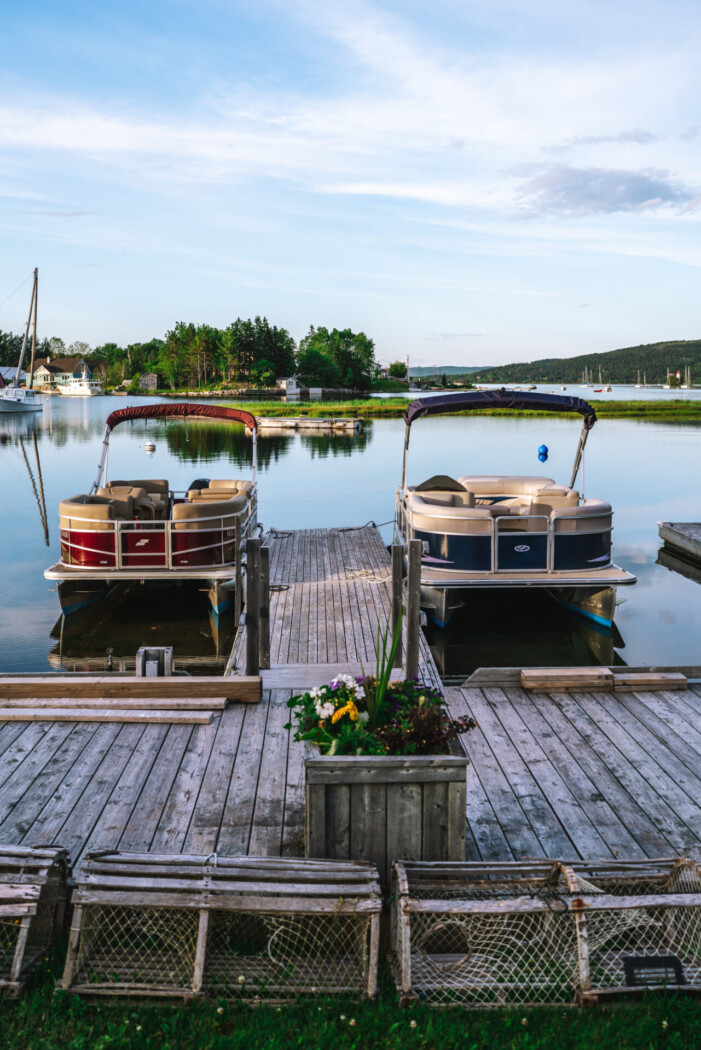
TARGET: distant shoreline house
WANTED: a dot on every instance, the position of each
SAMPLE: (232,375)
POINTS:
(148,381)
(48,372)
(288,386)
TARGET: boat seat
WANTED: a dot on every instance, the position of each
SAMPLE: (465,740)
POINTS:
(141,503)
(92,513)
(594,515)
(208,514)
(446,499)
(221,483)
(154,494)
(429,514)
(504,485)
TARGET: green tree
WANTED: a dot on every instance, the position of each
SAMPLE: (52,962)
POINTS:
(316,368)
(352,353)
(397,370)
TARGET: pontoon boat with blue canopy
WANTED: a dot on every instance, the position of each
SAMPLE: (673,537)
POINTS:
(509,531)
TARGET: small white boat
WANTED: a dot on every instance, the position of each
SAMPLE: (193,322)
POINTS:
(81,386)
(15,398)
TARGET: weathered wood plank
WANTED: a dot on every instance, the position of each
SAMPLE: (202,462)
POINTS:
(245,690)
(91,714)
(266,829)
(203,831)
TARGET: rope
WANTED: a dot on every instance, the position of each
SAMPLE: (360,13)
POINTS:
(375,524)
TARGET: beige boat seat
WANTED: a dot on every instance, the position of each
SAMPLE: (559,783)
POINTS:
(132,500)
(436,512)
(221,489)
(594,515)
(155,498)
(208,514)
(92,513)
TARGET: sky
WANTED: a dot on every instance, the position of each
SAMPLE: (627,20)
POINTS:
(466,182)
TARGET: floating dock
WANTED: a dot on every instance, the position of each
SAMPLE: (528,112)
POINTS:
(341,424)
(682,538)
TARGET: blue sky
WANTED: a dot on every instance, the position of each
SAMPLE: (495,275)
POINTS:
(468,183)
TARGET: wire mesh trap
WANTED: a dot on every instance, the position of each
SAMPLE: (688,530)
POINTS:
(255,929)
(527,933)
(32,909)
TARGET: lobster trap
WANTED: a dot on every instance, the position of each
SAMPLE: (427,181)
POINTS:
(256,929)
(32,909)
(527,933)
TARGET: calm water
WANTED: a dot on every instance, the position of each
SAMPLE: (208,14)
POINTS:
(648,471)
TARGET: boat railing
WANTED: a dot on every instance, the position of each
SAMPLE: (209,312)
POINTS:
(522,528)
(116,544)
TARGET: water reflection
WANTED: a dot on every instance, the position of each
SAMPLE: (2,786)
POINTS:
(519,629)
(318,480)
(139,615)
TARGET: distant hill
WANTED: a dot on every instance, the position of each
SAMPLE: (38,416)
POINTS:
(447,370)
(617,366)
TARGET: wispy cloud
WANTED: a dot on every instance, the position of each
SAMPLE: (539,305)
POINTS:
(575,192)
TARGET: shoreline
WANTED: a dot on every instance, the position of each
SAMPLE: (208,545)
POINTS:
(677,410)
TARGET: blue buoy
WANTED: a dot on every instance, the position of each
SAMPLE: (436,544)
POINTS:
(542,456)
(543,450)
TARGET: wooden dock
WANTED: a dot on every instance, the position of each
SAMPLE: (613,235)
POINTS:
(577,774)
(330,589)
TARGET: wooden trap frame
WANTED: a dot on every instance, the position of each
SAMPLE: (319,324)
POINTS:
(256,929)
(32,909)
(534,932)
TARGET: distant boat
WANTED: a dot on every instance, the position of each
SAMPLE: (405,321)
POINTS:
(608,388)
(81,386)
(16,398)
(598,390)
(638,385)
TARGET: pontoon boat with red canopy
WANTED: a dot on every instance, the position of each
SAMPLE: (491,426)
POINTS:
(140,529)
(509,531)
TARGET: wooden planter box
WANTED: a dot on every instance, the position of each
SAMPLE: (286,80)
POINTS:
(379,808)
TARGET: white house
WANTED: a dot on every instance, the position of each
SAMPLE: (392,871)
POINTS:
(288,386)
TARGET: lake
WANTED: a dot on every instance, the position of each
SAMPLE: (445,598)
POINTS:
(647,471)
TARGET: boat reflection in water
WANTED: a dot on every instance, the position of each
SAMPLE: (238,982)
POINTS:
(137,615)
(521,629)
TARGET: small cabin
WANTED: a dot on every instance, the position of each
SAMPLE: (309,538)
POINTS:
(148,381)
(288,385)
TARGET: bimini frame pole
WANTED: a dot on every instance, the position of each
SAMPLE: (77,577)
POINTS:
(103,460)
(254,467)
(578,454)
(406,453)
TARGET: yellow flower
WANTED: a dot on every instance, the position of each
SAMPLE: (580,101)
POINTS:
(347,709)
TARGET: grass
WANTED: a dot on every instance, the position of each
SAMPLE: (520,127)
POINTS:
(676,411)
(42,1021)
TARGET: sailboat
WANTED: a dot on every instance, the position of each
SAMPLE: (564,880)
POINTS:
(687,385)
(14,398)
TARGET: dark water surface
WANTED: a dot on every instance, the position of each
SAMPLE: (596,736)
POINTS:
(649,472)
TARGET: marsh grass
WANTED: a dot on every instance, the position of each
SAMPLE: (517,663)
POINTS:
(675,411)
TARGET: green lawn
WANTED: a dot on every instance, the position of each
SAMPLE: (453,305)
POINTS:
(676,411)
(40,1021)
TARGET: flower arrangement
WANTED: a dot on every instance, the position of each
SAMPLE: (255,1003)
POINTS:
(410,718)
(375,716)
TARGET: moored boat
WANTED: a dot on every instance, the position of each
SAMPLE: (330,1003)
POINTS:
(507,531)
(13,397)
(140,529)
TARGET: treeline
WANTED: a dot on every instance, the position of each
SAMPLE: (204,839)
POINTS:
(249,353)
(651,360)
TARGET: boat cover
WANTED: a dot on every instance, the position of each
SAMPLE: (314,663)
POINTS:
(514,399)
(181,408)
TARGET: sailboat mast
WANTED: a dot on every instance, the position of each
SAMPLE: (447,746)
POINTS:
(30,384)
(26,330)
